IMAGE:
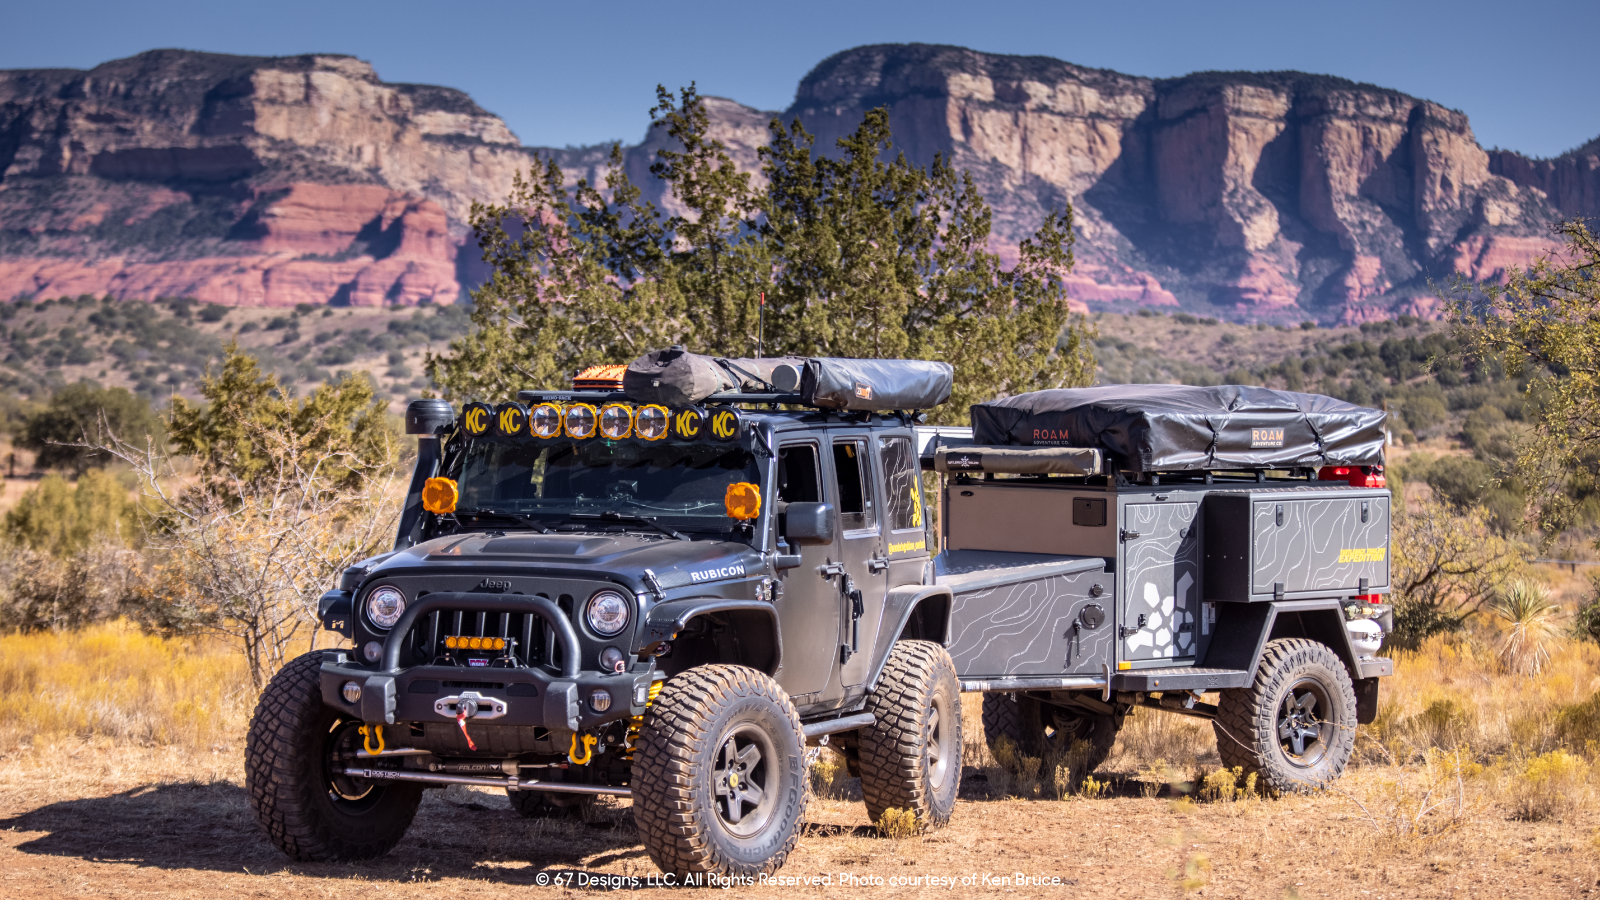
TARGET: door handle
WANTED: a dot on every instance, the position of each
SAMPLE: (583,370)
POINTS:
(877,564)
(831,570)
(1129,535)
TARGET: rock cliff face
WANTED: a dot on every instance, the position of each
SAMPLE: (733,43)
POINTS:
(1257,195)
(1275,196)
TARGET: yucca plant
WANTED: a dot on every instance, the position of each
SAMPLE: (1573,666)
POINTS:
(1530,619)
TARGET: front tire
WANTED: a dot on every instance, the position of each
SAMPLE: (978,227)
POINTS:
(1295,727)
(911,753)
(719,782)
(309,812)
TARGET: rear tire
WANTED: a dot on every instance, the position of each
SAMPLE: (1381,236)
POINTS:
(719,780)
(1295,727)
(307,811)
(1039,729)
(911,754)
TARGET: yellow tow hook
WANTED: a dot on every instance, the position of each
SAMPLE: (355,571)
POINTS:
(589,741)
(366,739)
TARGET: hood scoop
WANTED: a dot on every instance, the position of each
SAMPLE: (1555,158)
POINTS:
(548,546)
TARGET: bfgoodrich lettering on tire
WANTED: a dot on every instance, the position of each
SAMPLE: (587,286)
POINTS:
(308,811)
(719,775)
(911,754)
(1296,725)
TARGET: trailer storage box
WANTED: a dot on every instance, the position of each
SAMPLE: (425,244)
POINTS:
(1283,542)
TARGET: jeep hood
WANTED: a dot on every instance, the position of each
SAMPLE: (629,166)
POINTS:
(674,563)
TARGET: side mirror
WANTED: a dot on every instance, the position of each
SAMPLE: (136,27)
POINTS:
(809,523)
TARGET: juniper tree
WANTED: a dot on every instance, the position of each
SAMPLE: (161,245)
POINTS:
(857,256)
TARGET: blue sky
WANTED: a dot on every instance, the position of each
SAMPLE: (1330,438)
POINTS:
(574,73)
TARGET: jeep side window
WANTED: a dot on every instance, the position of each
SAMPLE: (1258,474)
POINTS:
(853,472)
(798,478)
(902,484)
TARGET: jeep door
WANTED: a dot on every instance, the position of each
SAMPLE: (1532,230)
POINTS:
(808,609)
(861,550)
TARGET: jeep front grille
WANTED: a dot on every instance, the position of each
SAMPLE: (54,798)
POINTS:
(528,641)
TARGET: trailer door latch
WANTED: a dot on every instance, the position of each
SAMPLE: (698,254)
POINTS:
(1129,535)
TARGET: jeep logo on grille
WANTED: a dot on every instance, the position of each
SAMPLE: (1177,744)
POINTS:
(491,585)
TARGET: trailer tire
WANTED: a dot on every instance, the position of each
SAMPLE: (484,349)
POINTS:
(549,804)
(1295,726)
(1023,720)
(712,733)
(307,811)
(911,754)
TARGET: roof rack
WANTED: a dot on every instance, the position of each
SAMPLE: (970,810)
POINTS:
(621,397)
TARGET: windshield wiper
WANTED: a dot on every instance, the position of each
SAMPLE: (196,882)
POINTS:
(612,515)
(529,521)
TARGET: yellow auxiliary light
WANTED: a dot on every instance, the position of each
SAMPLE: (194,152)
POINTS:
(580,421)
(650,423)
(616,421)
(476,419)
(439,496)
(510,419)
(544,420)
(450,642)
(475,643)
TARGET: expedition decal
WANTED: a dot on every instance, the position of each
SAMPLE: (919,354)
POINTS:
(1362,554)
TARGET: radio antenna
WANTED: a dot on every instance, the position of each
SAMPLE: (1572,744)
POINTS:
(761,322)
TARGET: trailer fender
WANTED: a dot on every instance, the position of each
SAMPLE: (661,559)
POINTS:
(1243,629)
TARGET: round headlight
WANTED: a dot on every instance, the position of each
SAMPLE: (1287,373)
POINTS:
(607,612)
(580,421)
(651,422)
(616,421)
(544,420)
(385,606)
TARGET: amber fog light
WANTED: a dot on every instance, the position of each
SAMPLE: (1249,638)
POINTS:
(544,420)
(600,700)
(650,423)
(616,421)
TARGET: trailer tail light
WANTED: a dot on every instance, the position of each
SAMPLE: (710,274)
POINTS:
(1356,476)
(1369,598)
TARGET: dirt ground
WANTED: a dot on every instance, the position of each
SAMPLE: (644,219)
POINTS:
(104,821)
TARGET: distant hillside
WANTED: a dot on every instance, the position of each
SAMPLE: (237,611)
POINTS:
(1275,197)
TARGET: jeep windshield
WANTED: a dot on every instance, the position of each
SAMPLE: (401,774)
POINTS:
(561,481)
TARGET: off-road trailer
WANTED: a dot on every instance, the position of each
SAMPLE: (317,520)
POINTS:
(596,594)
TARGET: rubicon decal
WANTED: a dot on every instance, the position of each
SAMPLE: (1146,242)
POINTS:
(712,574)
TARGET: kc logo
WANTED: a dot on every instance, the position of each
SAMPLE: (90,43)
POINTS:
(725,424)
(511,419)
(476,418)
(687,422)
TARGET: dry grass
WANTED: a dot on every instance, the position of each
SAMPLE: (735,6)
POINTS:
(112,681)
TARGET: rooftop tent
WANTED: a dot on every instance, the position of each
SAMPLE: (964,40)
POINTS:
(1167,428)
(676,377)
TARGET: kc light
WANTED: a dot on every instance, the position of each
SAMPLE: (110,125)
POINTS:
(385,606)
(544,420)
(650,423)
(580,421)
(616,421)
(607,612)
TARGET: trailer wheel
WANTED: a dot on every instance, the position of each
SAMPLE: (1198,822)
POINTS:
(307,810)
(719,782)
(1295,727)
(1039,729)
(549,804)
(911,754)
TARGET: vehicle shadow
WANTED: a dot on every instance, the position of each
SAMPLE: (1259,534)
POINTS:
(210,827)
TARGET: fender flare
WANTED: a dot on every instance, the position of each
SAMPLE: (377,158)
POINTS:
(666,620)
(898,608)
